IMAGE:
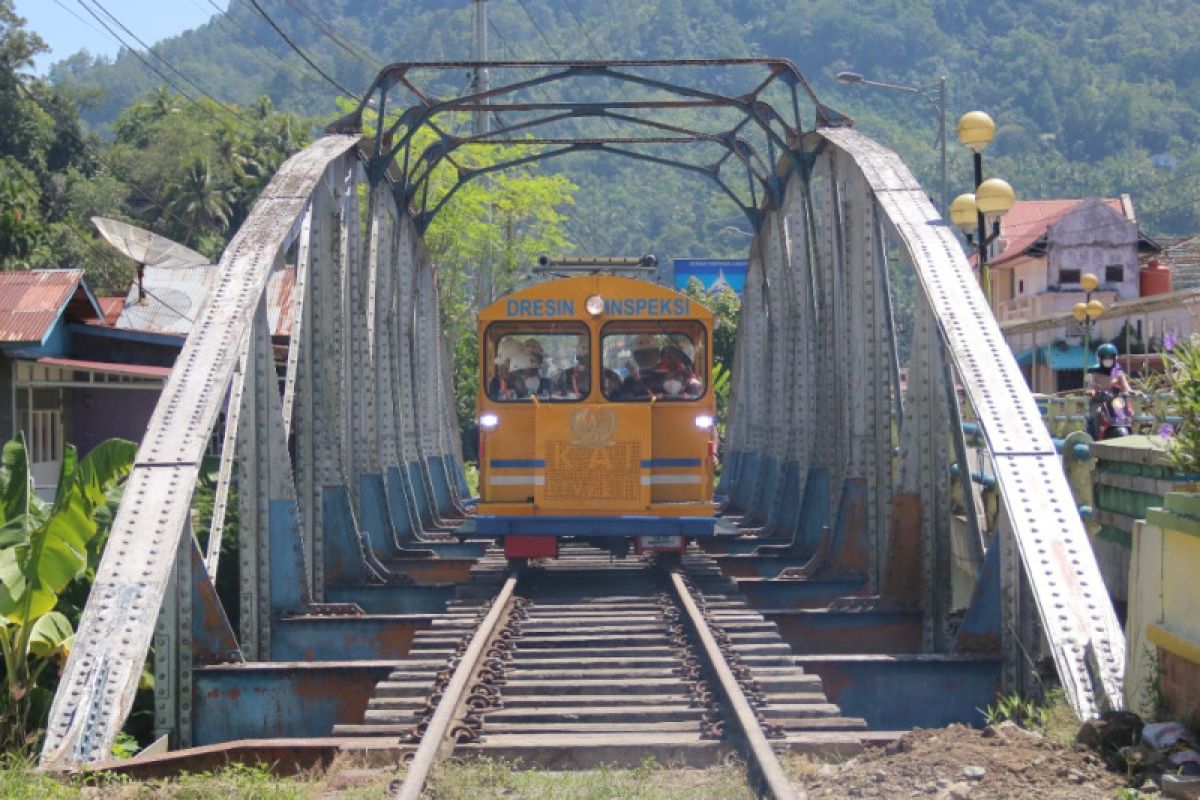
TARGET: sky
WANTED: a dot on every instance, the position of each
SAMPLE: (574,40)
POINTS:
(67,28)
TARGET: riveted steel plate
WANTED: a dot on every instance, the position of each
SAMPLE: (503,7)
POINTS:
(1062,570)
(989,372)
(1085,637)
(102,672)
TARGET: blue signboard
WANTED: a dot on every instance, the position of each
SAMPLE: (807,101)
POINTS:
(711,270)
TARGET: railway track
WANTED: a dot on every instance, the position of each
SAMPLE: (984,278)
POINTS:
(585,661)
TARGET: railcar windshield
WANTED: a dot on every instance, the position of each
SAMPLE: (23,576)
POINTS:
(653,361)
(547,361)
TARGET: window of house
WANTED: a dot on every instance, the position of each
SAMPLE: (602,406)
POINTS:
(1021,286)
(1068,276)
(1114,273)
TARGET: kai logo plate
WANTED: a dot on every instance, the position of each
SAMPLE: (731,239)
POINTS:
(593,427)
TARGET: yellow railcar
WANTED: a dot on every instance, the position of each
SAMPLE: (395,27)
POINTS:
(596,417)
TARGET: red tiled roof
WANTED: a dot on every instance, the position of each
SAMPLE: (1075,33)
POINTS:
(31,301)
(1028,220)
(136,370)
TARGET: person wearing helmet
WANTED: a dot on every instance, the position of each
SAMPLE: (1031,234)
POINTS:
(679,381)
(1106,373)
(1103,376)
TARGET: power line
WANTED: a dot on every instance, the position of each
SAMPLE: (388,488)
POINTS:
(301,52)
(75,14)
(231,111)
(229,18)
(512,54)
(330,33)
(538,28)
(251,50)
(147,64)
(582,27)
(66,220)
(96,154)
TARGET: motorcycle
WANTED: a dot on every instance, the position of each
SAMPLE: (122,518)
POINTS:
(1111,415)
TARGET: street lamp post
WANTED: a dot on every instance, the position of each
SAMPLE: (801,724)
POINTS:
(1086,314)
(938,103)
(992,199)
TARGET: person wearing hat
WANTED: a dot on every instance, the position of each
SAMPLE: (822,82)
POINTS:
(679,379)
(643,380)
(575,381)
(500,387)
(525,370)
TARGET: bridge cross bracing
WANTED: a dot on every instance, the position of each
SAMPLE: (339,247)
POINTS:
(358,458)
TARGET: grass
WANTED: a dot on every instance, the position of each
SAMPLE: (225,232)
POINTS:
(1053,716)
(481,779)
(485,779)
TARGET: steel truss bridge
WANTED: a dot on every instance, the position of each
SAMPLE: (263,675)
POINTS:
(347,478)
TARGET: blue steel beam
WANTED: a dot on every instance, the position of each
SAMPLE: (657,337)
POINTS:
(902,692)
(272,700)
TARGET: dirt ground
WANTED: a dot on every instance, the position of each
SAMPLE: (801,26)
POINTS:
(959,762)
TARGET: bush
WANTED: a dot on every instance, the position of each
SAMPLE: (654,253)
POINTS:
(1183,381)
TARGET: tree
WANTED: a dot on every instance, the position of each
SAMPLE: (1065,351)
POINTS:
(726,308)
(43,548)
(21,227)
(201,201)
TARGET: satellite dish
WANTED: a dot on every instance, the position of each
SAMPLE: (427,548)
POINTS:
(147,248)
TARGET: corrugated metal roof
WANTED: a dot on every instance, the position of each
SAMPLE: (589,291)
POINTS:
(279,302)
(111,305)
(174,297)
(1183,257)
(32,300)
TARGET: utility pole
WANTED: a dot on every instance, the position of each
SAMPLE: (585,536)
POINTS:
(482,81)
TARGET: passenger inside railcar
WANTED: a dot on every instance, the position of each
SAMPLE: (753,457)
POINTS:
(546,363)
(653,361)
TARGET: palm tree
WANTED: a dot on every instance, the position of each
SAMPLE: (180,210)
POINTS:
(200,201)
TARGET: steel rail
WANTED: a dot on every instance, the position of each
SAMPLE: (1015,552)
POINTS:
(454,697)
(759,752)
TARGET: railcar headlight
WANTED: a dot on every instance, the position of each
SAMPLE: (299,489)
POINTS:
(594,305)
(489,422)
(704,421)
(1118,403)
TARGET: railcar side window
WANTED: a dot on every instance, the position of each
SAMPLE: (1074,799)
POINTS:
(548,362)
(659,361)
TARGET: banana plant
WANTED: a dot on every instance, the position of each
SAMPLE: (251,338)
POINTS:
(44,547)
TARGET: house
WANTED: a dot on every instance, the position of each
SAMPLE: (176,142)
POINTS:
(1044,250)
(63,387)
(82,369)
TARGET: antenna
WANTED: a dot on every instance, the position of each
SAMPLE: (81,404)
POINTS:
(147,249)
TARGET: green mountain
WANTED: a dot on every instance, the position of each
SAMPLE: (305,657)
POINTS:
(1090,97)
